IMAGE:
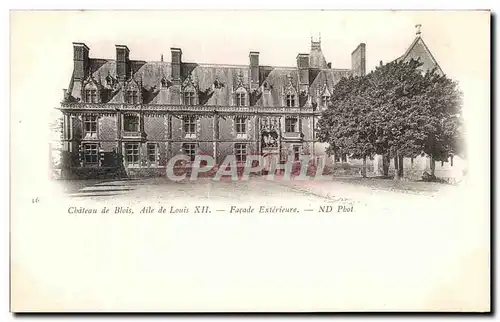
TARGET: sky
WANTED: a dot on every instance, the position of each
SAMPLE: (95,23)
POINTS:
(41,45)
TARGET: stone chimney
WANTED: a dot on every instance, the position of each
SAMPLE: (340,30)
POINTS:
(80,60)
(254,70)
(303,67)
(358,60)
(122,62)
(176,64)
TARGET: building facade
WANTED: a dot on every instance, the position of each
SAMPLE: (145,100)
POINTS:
(136,115)
(133,116)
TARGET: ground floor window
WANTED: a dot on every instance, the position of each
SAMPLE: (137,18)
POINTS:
(296,152)
(132,152)
(190,150)
(152,152)
(240,151)
(91,154)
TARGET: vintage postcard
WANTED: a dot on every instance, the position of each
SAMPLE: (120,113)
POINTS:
(250,161)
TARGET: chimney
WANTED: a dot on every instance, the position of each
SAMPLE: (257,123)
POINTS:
(176,65)
(254,70)
(358,60)
(80,60)
(303,67)
(122,62)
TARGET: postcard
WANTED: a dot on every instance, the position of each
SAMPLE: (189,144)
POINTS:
(250,161)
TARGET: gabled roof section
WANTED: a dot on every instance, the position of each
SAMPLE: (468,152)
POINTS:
(419,50)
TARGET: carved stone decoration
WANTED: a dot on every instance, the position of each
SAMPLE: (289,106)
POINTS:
(269,139)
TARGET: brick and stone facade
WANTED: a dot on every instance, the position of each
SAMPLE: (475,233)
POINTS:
(126,116)
(136,115)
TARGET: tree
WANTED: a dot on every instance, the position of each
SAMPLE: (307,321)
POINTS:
(397,111)
(345,125)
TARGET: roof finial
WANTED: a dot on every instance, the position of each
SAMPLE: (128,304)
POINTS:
(319,38)
(418,26)
(162,57)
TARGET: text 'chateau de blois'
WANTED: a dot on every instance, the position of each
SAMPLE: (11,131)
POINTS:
(135,115)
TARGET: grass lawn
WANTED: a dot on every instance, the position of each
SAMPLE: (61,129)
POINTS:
(393,185)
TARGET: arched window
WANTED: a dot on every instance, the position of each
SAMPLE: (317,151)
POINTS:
(241,97)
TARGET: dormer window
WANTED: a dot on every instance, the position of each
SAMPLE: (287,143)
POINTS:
(91,95)
(240,99)
(290,100)
(132,97)
(324,100)
(163,82)
(189,98)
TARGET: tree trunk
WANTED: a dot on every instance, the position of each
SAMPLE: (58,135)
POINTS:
(433,166)
(396,167)
(363,170)
(401,167)
(385,164)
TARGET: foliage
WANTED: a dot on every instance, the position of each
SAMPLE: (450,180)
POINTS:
(395,110)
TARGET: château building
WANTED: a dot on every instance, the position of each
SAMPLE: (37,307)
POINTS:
(130,115)
(135,115)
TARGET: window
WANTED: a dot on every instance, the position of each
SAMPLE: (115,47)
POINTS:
(451,161)
(240,150)
(337,157)
(132,152)
(290,100)
(131,123)
(240,99)
(189,98)
(91,95)
(90,126)
(291,125)
(90,154)
(132,97)
(152,154)
(296,152)
(324,100)
(190,150)
(241,125)
(189,125)
(344,157)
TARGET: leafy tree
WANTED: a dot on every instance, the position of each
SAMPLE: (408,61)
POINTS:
(397,111)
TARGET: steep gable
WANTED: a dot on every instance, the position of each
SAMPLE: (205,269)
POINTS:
(418,50)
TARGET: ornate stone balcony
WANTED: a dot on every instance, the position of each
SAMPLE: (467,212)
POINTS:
(292,135)
(133,135)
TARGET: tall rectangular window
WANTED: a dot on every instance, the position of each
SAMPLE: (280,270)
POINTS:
(189,150)
(131,123)
(152,152)
(90,126)
(91,95)
(240,151)
(290,100)
(241,125)
(189,98)
(189,125)
(90,154)
(291,124)
(132,152)
(240,99)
